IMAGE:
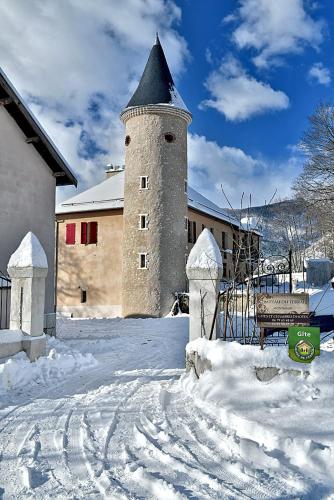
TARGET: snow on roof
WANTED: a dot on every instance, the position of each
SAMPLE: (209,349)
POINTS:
(199,202)
(30,253)
(205,254)
(109,194)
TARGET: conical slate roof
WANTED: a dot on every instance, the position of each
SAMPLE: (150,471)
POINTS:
(156,85)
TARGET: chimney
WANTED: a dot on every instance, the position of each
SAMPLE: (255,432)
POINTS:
(113,169)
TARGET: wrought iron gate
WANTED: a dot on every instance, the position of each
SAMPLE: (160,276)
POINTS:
(5,289)
(238,305)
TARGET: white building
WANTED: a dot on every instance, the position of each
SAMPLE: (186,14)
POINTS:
(30,169)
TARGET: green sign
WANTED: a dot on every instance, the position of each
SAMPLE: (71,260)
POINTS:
(304,343)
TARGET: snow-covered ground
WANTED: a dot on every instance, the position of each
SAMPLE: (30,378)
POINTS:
(108,416)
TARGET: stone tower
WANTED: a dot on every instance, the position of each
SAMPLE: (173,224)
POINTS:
(155,198)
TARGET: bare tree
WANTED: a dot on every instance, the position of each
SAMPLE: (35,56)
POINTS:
(316,183)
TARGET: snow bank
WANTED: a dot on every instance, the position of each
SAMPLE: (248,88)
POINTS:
(30,253)
(61,361)
(291,413)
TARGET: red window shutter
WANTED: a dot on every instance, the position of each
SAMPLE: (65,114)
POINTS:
(70,234)
(93,232)
(83,233)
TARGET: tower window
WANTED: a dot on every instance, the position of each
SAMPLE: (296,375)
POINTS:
(143,182)
(185,186)
(143,261)
(169,137)
(143,221)
(186,223)
(127,140)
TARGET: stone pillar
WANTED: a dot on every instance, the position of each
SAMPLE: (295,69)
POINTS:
(28,269)
(204,271)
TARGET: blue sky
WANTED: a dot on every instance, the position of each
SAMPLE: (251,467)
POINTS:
(250,71)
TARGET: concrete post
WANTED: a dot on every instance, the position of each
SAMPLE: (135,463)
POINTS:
(28,269)
(204,271)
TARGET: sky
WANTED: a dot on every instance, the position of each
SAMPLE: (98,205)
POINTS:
(250,72)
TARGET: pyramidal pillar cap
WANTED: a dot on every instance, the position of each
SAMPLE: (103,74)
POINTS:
(29,259)
(205,260)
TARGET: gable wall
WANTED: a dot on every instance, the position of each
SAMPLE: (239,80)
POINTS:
(96,268)
(27,198)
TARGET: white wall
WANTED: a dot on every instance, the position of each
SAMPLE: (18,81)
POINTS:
(27,198)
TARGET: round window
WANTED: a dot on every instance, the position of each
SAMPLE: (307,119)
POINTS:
(127,140)
(169,137)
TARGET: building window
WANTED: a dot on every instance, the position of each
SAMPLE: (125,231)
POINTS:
(185,186)
(143,221)
(83,297)
(70,234)
(186,224)
(169,137)
(127,140)
(185,258)
(143,261)
(88,233)
(224,269)
(192,236)
(143,183)
(224,243)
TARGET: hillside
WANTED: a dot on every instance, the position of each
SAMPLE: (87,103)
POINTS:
(287,224)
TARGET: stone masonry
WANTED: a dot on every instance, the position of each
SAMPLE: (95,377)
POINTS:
(150,292)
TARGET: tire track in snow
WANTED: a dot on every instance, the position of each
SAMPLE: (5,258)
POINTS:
(253,483)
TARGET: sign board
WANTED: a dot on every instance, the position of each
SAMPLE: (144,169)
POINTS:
(282,309)
(304,343)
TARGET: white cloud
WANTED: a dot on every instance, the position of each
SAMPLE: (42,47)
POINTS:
(320,74)
(276,28)
(78,62)
(213,166)
(238,95)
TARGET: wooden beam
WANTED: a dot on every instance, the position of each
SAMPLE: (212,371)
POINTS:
(5,100)
(29,140)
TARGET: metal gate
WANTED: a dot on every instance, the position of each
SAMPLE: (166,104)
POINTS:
(5,288)
(237,304)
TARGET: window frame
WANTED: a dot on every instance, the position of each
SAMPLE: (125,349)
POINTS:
(141,177)
(145,227)
(140,255)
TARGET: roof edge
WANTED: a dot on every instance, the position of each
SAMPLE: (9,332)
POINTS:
(152,109)
(27,122)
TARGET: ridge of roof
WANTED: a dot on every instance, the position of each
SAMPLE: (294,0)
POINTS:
(15,105)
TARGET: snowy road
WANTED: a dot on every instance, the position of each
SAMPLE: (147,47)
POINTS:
(125,429)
